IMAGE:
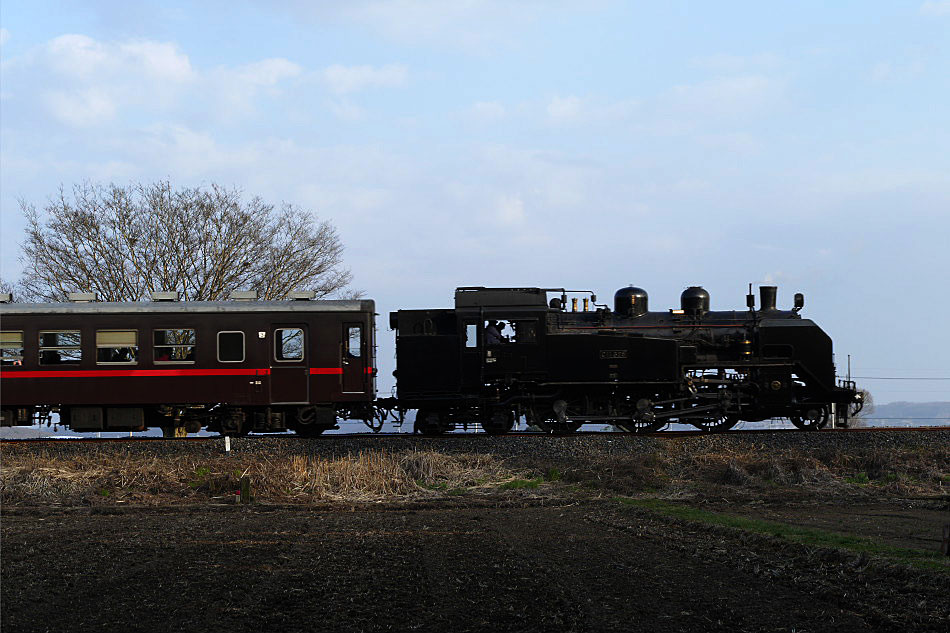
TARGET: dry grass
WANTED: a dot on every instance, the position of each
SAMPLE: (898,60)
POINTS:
(924,471)
(367,476)
(45,477)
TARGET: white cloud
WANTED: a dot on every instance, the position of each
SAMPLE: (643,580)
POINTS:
(885,71)
(267,72)
(941,7)
(727,63)
(82,82)
(81,108)
(509,211)
(4,36)
(562,109)
(345,110)
(736,95)
(488,111)
(238,87)
(574,109)
(347,79)
(81,57)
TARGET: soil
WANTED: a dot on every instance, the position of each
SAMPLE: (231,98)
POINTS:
(487,534)
(516,564)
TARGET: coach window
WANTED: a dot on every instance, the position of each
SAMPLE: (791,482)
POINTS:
(354,341)
(288,344)
(60,348)
(231,347)
(174,346)
(11,348)
(117,347)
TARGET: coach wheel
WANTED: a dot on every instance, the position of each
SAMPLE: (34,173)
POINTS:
(499,423)
(716,424)
(810,419)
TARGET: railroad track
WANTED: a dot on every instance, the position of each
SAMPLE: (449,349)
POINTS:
(456,436)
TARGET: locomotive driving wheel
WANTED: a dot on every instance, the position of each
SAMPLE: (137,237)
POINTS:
(714,424)
(635,425)
(811,419)
(499,423)
(643,420)
(429,423)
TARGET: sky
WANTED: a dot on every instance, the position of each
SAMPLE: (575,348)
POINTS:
(552,143)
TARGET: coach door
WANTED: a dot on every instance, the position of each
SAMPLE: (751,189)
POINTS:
(353,358)
(289,367)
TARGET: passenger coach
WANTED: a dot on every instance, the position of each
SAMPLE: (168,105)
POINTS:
(231,366)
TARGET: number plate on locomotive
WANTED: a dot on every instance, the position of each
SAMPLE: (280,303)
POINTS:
(613,353)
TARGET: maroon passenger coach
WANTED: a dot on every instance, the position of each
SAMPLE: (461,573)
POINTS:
(230,366)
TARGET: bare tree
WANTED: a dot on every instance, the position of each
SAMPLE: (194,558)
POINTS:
(863,418)
(126,242)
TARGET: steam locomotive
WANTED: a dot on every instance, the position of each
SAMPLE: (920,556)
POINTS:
(628,367)
(501,354)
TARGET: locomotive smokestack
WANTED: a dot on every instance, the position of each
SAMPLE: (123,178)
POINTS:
(768,295)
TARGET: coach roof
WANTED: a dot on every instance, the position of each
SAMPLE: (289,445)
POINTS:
(179,307)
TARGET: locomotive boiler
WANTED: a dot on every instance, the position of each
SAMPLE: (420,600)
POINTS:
(502,353)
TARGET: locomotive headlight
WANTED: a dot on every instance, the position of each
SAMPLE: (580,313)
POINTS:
(776,385)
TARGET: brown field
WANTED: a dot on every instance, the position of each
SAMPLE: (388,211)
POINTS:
(784,531)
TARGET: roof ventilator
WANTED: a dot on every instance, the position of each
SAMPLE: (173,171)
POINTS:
(165,295)
(82,297)
(244,295)
(303,295)
(6,297)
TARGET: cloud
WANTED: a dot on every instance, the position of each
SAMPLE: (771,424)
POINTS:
(267,72)
(4,36)
(81,57)
(574,109)
(345,110)
(736,95)
(81,108)
(564,108)
(84,82)
(886,71)
(488,111)
(509,211)
(348,79)
(941,7)
(480,27)
(238,87)
(727,63)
